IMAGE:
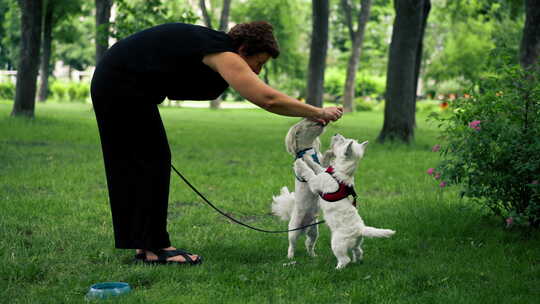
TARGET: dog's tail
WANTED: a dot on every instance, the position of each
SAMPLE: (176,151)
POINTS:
(376,232)
(282,204)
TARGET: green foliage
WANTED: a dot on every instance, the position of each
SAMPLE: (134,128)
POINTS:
(364,104)
(366,84)
(7,90)
(377,35)
(136,15)
(460,33)
(493,140)
(507,40)
(497,10)
(11,34)
(445,87)
(370,85)
(5,62)
(430,106)
(464,53)
(73,24)
(291,22)
(70,91)
(334,82)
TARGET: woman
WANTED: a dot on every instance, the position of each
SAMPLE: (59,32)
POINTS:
(178,61)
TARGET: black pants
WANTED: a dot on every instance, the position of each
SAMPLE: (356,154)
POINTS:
(137,164)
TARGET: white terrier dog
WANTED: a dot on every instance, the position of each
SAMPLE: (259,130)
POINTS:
(301,207)
(335,186)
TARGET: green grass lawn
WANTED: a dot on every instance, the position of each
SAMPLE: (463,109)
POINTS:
(56,231)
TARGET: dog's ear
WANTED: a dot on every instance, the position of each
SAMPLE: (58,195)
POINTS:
(364,145)
(317,144)
(349,151)
(361,148)
(290,140)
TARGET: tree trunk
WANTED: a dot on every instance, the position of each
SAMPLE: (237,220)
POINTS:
(46,55)
(103,15)
(224,20)
(25,91)
(206,17)
(530,42)
(317,53)
(358,40)
(223,26)
(419,50)
(401,82)
(216,103)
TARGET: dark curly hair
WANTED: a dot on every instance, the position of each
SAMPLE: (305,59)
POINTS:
(256,37)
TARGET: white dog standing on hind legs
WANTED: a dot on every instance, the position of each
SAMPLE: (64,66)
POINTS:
(335,186)
(301,207)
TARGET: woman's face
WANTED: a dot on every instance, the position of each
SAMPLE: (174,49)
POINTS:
(257,61)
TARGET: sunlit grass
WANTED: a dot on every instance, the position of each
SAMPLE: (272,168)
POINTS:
(57,240)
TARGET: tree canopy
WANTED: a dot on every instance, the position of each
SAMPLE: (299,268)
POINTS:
(458,36)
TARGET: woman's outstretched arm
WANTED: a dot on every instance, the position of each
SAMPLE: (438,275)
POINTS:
(241,78)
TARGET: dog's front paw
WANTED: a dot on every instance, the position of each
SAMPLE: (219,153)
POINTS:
(327,158)
(301,169)
(314,166)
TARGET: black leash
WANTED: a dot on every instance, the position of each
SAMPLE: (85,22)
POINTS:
(233,219)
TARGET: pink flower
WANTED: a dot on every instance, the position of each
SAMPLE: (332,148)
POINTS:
(442,184)
(509,221)
(430,171)
(436,148)
(437,175)
(475,125)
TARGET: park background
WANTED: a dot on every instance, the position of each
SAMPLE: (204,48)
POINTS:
(445,91)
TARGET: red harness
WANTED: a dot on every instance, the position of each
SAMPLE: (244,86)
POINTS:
(342,192)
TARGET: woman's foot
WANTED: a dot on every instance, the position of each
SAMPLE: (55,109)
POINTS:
(149,256)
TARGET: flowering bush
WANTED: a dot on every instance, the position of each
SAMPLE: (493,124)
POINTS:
(436,176)
(492,146)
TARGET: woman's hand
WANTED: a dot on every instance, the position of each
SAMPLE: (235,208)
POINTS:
(329,114)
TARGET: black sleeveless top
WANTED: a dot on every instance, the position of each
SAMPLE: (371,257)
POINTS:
(163,61)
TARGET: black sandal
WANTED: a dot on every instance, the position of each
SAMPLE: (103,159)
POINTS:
(163,255)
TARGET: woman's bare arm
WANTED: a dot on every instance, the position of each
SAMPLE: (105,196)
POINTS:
(240,77)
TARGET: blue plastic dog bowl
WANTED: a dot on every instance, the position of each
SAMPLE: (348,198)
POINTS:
(108,289)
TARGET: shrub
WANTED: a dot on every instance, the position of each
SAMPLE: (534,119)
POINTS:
(366,84)
(70,91)
(431,106)
(7,90)
(365,105)
(445,88)
(80,91)
(369,85)
(493,143)
(58,91)
(334,83)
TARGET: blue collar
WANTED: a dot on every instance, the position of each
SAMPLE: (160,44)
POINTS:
(301,154)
